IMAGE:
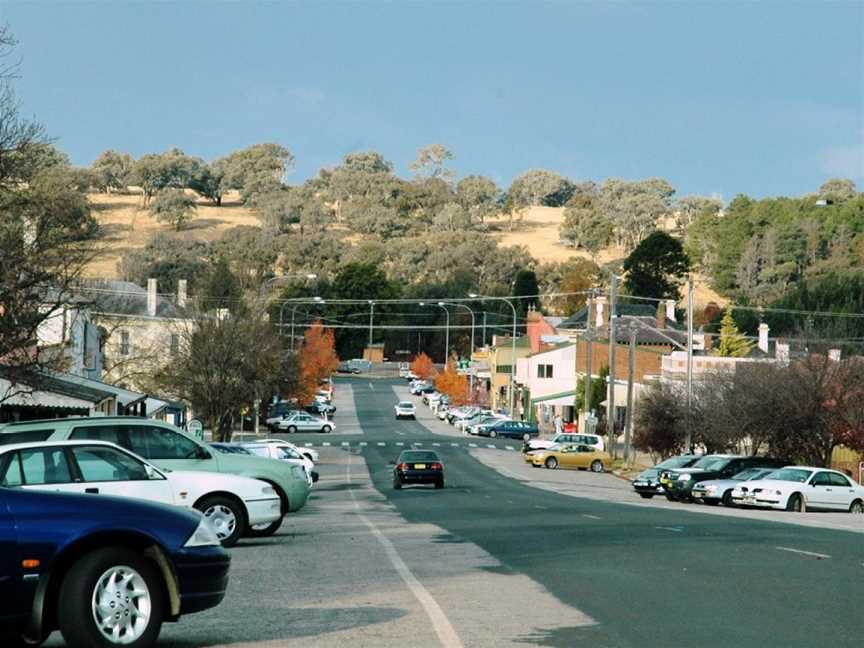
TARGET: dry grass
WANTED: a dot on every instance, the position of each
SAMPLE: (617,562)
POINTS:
(128,226)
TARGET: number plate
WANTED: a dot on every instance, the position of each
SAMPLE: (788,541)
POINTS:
(419,466)
(697,495)
(749,499)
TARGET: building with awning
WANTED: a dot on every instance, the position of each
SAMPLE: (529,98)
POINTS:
(52,397)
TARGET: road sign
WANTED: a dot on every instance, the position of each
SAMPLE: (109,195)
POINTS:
(196,428)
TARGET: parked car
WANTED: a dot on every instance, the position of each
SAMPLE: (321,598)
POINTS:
(309,453)
(418,467)
(802,488)
(482,422)
(442,412)
(64,560)
(647,483)
(418,386)
(592,440)
(405,409)
(282,452)
(231,503)
(431,398)
(229,448)
(508,430)
(168,447)
(466,411)
(715,491)
(303,422)
(571,455)
(318,408)
(678,482)
(344,367)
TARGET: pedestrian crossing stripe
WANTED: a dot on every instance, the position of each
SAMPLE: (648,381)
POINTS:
(437,445)
(363,444)
(399,443)
(345,444)
(381,443)
(326,444)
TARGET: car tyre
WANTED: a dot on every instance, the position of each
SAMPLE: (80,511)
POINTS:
(492,434)
(76,616)
(326,429)
(264,530)
(856,507)
(291,429)
(226,515)
(727,499)
(526,437)
(551,463)
(597,466)
(671,498)
(796,504)
(646,495)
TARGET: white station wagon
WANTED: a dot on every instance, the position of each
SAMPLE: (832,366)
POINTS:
(231,503)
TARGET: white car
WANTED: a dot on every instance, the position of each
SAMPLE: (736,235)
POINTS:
(442,412)
(801,488)
(565,437)
(282,452)
(405,409)
(303,422)
(231,503)
(309,453)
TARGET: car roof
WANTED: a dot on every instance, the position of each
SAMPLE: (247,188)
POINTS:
(132,420)
(45,444)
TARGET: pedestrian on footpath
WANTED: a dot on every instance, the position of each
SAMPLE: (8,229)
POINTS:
(559,424)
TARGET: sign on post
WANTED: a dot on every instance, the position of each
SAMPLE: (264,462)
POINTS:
(195,428)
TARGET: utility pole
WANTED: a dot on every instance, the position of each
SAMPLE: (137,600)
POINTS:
(610,400)
(631,372)
(371,319)
(689,441)
(588,351)
(484,328)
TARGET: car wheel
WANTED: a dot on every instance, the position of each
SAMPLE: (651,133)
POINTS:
(226,516)
(326,429)
(291,429)
(597,466)
(264,530)
(727,499)
(857,507)
(111,597)
(492,434)
(439,483)
(646,495)
(796,503)
(526,437)
(671,498)
(551,463)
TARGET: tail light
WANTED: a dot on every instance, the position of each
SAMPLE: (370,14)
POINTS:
(437,466)
(402,466)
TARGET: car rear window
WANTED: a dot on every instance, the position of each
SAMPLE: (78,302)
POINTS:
(30,436)
(420,455)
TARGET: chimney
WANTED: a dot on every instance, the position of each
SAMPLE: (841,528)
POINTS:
(181,293)
(670,310)
(601,315)
(151,297)
(763,337)
(834,354)
(781,352)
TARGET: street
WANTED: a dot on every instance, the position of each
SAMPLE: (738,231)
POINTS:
(495,561)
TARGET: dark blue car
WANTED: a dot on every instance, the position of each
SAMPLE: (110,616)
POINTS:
(105,571)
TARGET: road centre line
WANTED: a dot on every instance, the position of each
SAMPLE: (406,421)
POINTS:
(345,443)
(591,517)
(326,443)
(664,528)
(399,443)
(443,628)
(363,444)
(510,447)
(472,445)
(805,553)
(542,508)
(381,443)
(371,386)
(489,445)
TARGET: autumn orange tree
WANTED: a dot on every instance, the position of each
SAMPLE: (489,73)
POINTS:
(318,358)
(452,384)
(423,366)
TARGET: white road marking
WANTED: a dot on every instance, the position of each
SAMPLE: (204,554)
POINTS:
(596,517)
(669,529)
(489,445)
(308,445)
(381,443)
(510,447)
(806,553)
(437,445)
(399,433)
(371,386)
(542,508)
(454,445)
(363,443)
(326,443)
(472,445)
(345,443)
(443,628)
(399,443)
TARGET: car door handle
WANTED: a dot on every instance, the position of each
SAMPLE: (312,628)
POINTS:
(94,491)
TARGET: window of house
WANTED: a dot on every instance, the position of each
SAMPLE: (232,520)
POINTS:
(544,371)
(124,343)
(175,344)
(503,369)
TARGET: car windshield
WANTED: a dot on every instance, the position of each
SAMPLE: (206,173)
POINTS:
(790,474)
(416,456)
(711,463)
(675,462)
(406,404)
(752,473)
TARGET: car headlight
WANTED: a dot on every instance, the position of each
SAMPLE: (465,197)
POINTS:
(684,477)
(710,489)
(268,490)
(203,536)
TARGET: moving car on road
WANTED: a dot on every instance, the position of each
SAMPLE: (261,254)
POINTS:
(303,422)
(571,455)
(508,430)
(168,447)
(231,503)
(801,488)
(715,491)
(564,437)
(106,575)
(647,483)
(678,482)
(404,409)
(418,467)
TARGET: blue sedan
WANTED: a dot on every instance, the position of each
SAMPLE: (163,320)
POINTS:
(104,574)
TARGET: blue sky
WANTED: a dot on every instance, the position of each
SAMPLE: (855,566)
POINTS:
(762,98)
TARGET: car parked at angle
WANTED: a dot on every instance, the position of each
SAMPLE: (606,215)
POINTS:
(106,575)
(592,440)
(309,453)
(418,467)
(716,491)
(678,482)
(802,488)
(283,452)
(303,422)
(441,411)
(570,455)
(418,386)
(229,448)
(483,422)
(230,502)
(168,447)
(647,482)
(405,409)
(463,412)
(508,429)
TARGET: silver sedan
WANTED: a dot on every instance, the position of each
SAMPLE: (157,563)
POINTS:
(302,422)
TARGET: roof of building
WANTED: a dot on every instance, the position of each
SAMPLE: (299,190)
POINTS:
(128,298)
(578,319)
(647,331)
(59,384)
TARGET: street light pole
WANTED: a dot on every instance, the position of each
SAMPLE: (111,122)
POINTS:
(471,312)
(371,320)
